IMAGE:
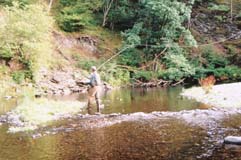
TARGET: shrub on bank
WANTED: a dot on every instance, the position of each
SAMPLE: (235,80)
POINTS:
(25,36)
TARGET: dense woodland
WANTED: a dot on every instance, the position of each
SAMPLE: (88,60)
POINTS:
(159,41)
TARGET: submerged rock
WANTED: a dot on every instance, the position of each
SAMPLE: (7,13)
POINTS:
(232,140)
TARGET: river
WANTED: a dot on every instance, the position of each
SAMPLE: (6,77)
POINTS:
(136,124)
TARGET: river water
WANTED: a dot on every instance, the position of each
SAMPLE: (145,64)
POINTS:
(141,100)
(137,124)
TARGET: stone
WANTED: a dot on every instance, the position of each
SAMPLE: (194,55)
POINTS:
(232,140)
(66,91)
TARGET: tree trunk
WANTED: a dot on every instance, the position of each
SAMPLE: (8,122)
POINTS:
(106,10)
(50,5)
(231,10)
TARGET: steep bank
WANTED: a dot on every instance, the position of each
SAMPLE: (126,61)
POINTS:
(212,23)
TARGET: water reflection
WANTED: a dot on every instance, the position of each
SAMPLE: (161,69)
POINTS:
(147,100)
(141,100)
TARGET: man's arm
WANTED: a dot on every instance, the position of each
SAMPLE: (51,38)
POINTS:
(97,78)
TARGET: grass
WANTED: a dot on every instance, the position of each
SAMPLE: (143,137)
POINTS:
(39,112)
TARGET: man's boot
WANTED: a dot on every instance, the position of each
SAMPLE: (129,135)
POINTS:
(98,105)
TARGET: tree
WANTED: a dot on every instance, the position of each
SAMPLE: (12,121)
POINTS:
(106,10)
(50,5)
(24,36)
(231,9)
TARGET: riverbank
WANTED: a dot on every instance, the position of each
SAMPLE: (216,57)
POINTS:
(224,95)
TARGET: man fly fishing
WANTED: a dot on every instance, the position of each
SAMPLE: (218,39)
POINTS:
(94,90)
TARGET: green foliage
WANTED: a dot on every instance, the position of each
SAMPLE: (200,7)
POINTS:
(221,7)
(86,64)
(21,2)
(212,63)
(213,59)
(71,22)
(131,57)
(6,52)
(144,76)
(178,67)
(114,75)
(110,72)
(131,36)
(24,34)
(229,72)
(160,20)
(232,73)
(150,27)
(20,76)
(76,15)
(173,74)
(127,13)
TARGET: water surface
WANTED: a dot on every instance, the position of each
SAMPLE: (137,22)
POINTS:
(131,100)
(172,134)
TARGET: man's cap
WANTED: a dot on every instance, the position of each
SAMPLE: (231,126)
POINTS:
(93,68)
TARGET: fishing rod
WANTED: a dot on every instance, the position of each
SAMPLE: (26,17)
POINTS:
(112,57)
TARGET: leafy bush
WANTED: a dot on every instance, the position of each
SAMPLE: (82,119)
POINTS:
(6,52)
(20,76)
(70,21)
(213,59)
(131,57)
(178,67)
(24,34)
(173,74)
(114,75)
(76,15)
(144,76)
(222,8)
(228,73)
(86,64)
(222,73)
(21,2)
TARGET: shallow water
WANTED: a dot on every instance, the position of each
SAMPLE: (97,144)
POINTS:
(141,100)
(147,100)
(186,135)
